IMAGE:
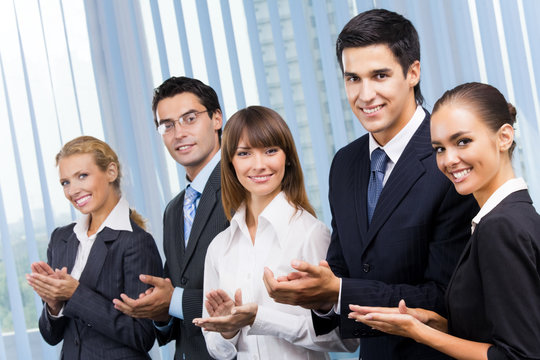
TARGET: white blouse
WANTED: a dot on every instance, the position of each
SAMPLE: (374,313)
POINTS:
(233,261)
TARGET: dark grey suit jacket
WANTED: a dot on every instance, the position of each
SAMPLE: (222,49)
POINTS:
(91,327)
(410,249)
(185,266)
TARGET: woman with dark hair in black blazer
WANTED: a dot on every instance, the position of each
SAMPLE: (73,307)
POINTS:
(493,298)
(93,261)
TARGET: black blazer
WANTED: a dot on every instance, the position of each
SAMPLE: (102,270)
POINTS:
(91,327)
(494,294)
(185,266)
(409,251)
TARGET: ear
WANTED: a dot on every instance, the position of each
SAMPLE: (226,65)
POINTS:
(112,172)
(505,137)
(217,118)
(413,74)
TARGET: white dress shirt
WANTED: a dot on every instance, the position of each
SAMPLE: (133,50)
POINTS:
(499,195)
(233,261)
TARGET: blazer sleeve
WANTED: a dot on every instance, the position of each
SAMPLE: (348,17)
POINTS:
(51,329)
(98,312)
(508,259)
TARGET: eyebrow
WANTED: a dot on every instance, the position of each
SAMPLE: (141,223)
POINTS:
(184,114)
(452,137)
(373,72)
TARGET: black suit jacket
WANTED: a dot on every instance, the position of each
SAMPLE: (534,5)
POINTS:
(409,251)
(91,327)
(494,295)
(185,266)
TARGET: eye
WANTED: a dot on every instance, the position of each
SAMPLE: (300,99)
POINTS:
(381,76)
(464,142)
(351,79)
(242,153)
(272,151)
(83,176)
(167,124)
(438,149)
(64,183)
(190,118)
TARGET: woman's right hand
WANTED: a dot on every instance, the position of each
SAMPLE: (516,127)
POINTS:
(41,267)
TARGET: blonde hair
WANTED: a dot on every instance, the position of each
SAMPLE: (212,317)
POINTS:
(264,128)
(103,155)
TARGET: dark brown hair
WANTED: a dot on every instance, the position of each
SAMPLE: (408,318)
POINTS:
(486,101)
(103,156)
(263,127)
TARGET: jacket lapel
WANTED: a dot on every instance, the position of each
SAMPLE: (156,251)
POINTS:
(205,208)
(71,251)
(362,170)
(406,172)
(98,254)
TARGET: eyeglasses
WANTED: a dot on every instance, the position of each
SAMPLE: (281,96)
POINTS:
(166,126)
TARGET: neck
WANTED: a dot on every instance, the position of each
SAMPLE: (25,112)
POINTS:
(255,205)
(98,217)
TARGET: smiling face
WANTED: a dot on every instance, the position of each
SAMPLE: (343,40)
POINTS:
(259,170)
(87,187)
(473,156)
(192,146)
(380,96)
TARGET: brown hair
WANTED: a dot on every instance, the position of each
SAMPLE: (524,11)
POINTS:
(486,101)
(264,128)
(103,156)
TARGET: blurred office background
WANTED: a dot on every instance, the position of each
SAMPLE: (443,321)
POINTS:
(72,67)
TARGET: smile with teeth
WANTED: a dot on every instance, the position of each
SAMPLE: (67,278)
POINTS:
(183,147)
(82,201)
(458,175)
(260,178)
(372,110)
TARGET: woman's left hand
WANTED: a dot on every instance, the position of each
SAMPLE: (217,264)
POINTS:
(227,317)
(59,287)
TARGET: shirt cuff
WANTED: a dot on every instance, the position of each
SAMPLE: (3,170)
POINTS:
(336,309)
(175,308)
(60,313)
(165,328)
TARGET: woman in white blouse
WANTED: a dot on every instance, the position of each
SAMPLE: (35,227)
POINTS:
(93,261)
(273,223)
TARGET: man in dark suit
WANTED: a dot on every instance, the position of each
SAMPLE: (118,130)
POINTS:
(398,226)
(188,115)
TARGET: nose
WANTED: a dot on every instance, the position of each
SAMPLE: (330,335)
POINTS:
(258,161)
(449,158)
(179,130)
(366,92)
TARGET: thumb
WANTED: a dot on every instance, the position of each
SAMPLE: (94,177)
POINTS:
(324,263)
(150,280)
(238,297)
(403,309)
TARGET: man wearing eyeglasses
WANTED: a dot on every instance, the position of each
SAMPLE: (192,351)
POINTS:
(188,117)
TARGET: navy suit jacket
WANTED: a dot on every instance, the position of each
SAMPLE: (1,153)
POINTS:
(91,327)
(185,265)
(418,230)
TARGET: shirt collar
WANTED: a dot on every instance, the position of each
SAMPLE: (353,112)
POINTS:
(278,214)
(499,195)
(118,219)
(394,148)
(202,177)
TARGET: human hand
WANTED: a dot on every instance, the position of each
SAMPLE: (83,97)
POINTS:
(312,286)
(41,267)
(238,316)
(152,304)
(54,288)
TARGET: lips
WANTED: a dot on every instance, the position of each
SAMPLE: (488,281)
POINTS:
(371,110)
(460,175)
(183,147)
(83,200)
(260,178)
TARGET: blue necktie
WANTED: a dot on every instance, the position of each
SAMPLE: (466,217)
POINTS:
(378,168)
(190,197)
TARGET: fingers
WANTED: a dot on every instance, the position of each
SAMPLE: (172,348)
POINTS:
(324,263)
(304,266)
(363,310)
(403,309)
(238,297)
(152,280)
(41,267)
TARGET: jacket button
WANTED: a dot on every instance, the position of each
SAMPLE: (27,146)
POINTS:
(183,281)
(89,325)
(356,333)
(366,267)
(76,342)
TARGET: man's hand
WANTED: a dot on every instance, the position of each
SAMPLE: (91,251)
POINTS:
(312,287)
(152,304)
(226,317)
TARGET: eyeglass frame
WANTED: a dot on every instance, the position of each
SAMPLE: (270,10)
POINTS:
(180,121)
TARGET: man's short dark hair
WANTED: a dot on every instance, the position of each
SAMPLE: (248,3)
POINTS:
(181,84)
(380,26)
